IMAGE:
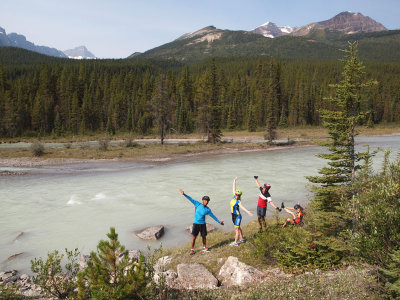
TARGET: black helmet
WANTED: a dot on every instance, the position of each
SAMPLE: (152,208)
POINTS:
(206,198)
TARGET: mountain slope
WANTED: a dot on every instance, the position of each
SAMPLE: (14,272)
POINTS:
(346,22)
(80,52)
(317,44)
(19,41)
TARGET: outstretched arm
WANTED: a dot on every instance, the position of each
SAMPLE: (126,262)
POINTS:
(215,218)
(188,197)
(234,185)
(289,212)
(244,208)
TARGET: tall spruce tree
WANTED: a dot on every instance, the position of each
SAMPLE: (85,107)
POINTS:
(332,196)
(162,106)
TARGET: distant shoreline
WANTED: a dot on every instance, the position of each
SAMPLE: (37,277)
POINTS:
(39,162)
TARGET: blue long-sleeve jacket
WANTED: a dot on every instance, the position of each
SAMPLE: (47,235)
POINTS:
(201,212)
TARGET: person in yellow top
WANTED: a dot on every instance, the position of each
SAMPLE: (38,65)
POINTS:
(236,204)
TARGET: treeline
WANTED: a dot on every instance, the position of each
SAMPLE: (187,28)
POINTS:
(148,96)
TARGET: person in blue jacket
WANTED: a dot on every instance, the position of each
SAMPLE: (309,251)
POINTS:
(199,223)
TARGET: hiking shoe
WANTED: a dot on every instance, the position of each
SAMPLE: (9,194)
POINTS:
(192,252)
(259,230)
(282,205)
(241,241)
(205,249)
(233,244)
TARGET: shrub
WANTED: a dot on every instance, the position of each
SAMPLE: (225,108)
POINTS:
(37,149)
(103,144)
(378,216)
(391,275)
(111,274)
(130,143)
(52,277)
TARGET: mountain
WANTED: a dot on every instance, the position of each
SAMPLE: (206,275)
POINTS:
(347,22)
(19,41)
(80,52)
(270,30)
(321,40)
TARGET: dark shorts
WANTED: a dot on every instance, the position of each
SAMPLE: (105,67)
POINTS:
(202,228)
(261,211)
(236,219)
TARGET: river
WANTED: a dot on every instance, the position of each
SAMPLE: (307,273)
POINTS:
(73,206)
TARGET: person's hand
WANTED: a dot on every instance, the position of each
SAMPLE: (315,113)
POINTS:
(250,214)
(181,191)
(222,222)
(235,178)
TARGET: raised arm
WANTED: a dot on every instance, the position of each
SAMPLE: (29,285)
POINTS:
(188,197)
(256,180)
(234,185)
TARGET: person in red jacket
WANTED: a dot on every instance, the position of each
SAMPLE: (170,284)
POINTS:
(297,214)
(263,199)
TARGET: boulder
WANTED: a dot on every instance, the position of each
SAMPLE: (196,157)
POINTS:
(235,272)
(195,276)
(210,228)
(151,233)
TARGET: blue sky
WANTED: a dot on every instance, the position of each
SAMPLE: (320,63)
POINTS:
(117,28)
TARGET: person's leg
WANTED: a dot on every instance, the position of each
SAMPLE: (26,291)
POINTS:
(236,234)
(241,234)
(263,221)
(204,241)
(259,223)
(193,240)
(287,222)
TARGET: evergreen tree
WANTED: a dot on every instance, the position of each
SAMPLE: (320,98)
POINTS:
(111,274)
(162,106)
(331,198)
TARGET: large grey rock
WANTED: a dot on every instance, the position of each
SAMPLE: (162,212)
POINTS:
(235,272)
(210,228)
(150,233)
(195,276)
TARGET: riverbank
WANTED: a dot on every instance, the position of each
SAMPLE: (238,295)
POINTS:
(145,153)
(86,149)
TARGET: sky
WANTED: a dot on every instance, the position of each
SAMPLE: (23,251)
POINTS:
(118,28)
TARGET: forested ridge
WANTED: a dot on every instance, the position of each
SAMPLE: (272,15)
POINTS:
(58,96)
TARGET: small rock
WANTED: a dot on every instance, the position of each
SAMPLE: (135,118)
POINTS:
(12,257)
(19,236)
(24,277)
(151,233)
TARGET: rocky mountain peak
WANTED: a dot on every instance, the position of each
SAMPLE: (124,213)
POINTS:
(80,52)
(271,30)
(347,22)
